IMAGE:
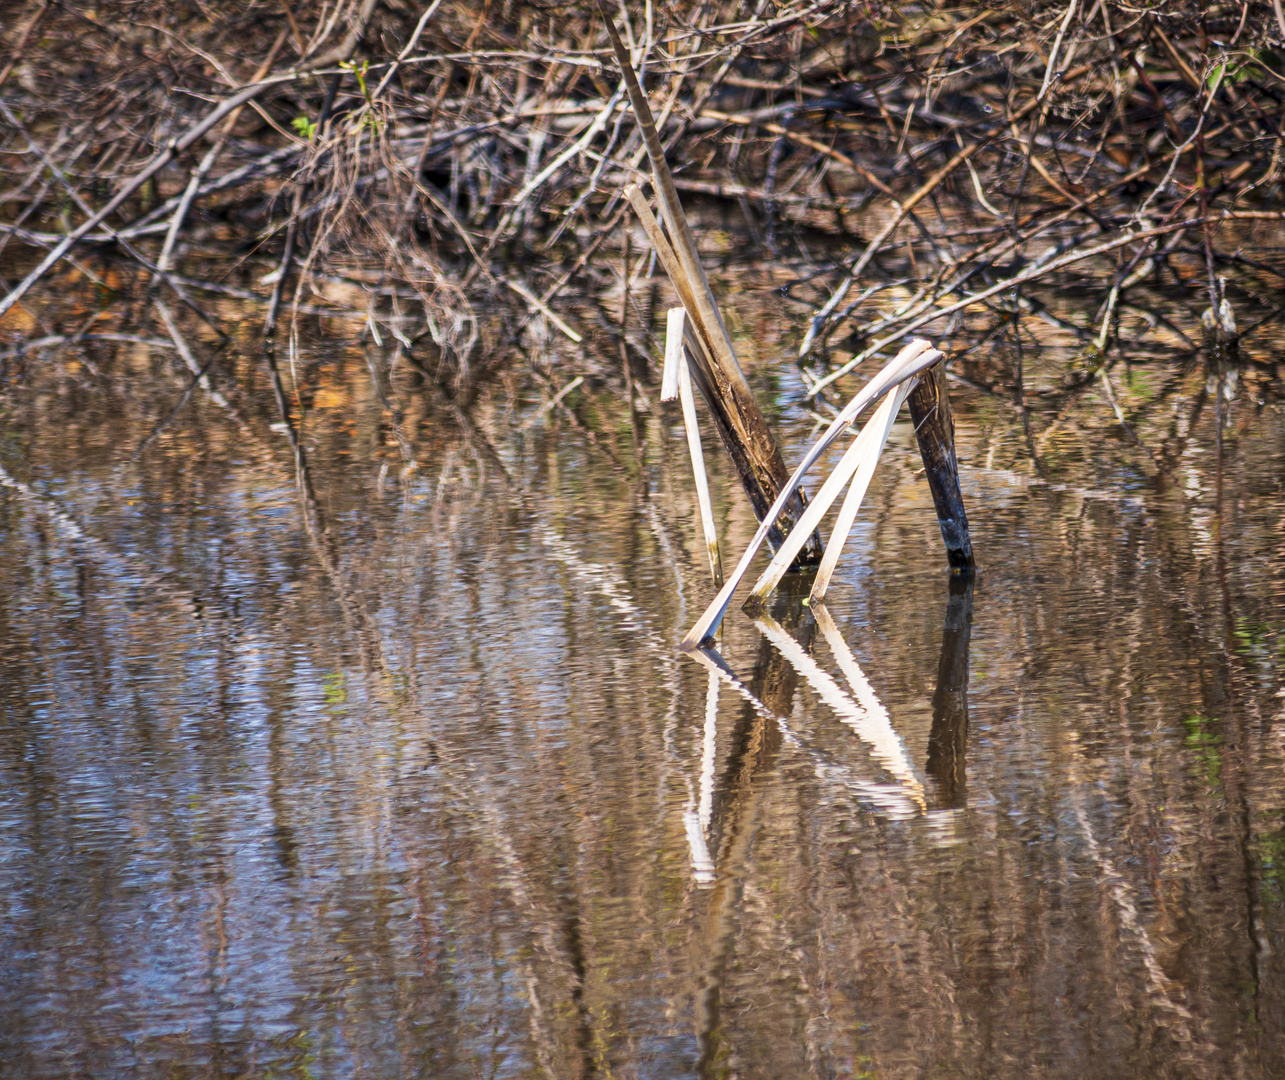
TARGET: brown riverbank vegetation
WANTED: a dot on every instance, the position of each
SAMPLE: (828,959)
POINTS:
(446,179)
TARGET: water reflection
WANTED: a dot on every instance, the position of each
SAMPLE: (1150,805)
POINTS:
(753,746)
(782,662)
(314,764)
(948,740)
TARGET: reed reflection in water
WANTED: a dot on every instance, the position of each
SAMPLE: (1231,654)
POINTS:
(307,772)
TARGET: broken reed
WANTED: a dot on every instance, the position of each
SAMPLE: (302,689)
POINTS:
(736,414)
(696,332)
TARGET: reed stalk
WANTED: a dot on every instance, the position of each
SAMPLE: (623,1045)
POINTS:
(914,358)
(875,434)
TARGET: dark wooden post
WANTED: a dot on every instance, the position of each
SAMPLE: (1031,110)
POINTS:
(935,430)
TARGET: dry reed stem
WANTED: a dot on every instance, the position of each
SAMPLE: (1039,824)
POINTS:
(914,358)
(710,321)
(863,454)
(875,433)
(677,382)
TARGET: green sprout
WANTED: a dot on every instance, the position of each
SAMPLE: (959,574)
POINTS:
(360,73)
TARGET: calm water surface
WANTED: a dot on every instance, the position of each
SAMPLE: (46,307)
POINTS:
(378,772)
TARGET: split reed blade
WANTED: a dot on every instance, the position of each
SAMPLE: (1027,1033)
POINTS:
(675,325)
(698,470)
(863,453)
(880,426)
(695,328)
(677,376)
(914,358)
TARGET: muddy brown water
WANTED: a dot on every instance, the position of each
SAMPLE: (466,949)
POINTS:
(409,779)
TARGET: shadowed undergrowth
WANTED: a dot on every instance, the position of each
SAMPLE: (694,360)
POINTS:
(446,182)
